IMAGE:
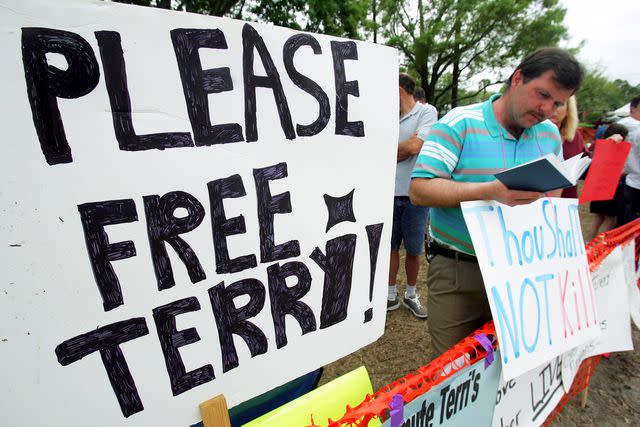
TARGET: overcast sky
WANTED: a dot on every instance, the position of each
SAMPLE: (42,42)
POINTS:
(611,30)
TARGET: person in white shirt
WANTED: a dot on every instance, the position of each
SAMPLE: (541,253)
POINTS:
(409,221)
(631,194)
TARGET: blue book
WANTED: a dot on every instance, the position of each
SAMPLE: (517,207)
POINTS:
(545,174)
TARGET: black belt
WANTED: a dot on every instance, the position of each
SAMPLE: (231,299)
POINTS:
(450,253)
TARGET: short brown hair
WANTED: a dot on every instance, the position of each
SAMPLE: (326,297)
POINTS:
(407,83)
(566,69)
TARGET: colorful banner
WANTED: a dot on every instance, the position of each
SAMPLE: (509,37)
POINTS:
(536,274)
(528,399)
(464,399)
(184,209)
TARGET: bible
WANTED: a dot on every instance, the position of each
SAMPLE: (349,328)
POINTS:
(545,174)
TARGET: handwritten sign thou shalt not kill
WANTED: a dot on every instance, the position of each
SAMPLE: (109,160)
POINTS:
(536,275)
(184,213)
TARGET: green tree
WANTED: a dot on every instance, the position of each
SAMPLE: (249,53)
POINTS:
(627,90)
(599,95)
(462,38)
(206,7)
(334,17)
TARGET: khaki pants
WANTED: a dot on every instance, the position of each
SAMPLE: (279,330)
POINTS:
(457,302)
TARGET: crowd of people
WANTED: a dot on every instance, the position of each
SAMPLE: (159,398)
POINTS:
(439,166)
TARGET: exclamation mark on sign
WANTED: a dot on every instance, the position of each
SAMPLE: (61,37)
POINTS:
(374,232)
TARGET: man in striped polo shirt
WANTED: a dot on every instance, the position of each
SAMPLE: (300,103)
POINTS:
(457,163)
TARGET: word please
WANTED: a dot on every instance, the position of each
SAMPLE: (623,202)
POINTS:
(46,83)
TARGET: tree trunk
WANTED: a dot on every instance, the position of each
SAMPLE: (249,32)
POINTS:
(455,74)
(423,70)
(428,84)
(454,83)
(216,8)
(374,17)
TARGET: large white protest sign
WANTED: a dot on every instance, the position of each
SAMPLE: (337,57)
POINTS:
(529,399)
(536,274)
(188,209)
(462,400)
(611,293)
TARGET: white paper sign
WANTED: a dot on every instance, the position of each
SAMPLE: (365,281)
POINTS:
(189,209)
(631,277)
(571,361)
(529,399)
(537,279)
(611,292)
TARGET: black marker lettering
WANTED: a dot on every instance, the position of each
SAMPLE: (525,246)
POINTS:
(94,216)
(337,265)
(286,300)
(171,340)
(231,320)
(46,83)
(220,189)
(163,226)
(107,340)
(251,40)
(269,205)
(344,88)
(115,77)
(306,84)
(198,83)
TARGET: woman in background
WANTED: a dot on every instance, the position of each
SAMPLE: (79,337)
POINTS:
(607,211)
(566,119)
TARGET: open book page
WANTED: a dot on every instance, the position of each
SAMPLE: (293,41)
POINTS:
(565,167)
(575,166)
(560,165)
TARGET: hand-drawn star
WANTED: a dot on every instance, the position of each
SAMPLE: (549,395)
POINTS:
(340,209)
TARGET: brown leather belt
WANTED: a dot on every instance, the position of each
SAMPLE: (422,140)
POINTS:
(450,253)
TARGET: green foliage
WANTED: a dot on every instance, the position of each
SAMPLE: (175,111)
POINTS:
(279,12)
(444,43)
(599,95)
(337,17)
(466,37)
(205,7)
(334,17)
(627,91)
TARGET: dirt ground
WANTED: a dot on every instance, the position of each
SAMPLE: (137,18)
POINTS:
(613,396)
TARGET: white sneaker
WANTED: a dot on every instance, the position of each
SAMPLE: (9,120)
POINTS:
(413,304)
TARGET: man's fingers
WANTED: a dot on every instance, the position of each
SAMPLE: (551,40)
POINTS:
(532,195)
